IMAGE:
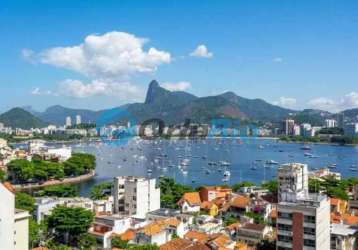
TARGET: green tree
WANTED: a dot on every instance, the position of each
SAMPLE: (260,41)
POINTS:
(101,191)
(25,201)
(34,233)
(171,192)
(2,175)
(143,247)
(266,245)
(272,186)
(21,170)
(86,242)
(258,218)
(69,222)
(119,243)
(64,190)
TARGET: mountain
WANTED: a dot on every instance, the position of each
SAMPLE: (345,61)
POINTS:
(351,114)
(175,107)
(57,115)
(20,118)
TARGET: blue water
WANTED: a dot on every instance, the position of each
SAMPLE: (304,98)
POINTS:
(135,157)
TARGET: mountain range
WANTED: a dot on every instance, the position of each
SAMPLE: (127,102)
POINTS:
(173,107)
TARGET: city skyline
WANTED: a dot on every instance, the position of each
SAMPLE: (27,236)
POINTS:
(296,55)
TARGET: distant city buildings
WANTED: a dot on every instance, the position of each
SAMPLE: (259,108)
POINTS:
(78,120)
(330,123)
(288,127)
(68,122)
(351,129)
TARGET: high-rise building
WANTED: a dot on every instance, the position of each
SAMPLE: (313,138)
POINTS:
(135,196)
(303,219)
(14,223)
(68,121)
(288,126)
(78,120)
(330,123)
(340,120)
(351,129)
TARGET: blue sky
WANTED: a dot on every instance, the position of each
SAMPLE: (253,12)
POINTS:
(297,54)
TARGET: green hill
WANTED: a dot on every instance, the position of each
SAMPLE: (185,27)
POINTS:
(19,118)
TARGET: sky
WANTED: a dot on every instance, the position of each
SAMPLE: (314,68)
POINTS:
(100,54)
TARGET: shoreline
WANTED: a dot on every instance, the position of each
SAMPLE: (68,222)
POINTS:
(71,180)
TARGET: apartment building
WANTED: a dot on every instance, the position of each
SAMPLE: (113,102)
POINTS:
(303,219)
(14,223)
(135,196)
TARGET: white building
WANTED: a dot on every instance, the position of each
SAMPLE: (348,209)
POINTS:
(62,154)
(303,219)
(136,196)
(351,129)
(288,127)
(293,181)
(330,123)
(343,237)
(14,223)
(68,122)
(78,120)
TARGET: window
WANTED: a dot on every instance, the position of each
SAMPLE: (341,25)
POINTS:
(309,243)
(284,238)
(309,231)
(282,215)
(310,219)
(284,227)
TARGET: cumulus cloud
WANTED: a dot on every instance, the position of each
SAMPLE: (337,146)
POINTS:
(176,86)
(113,54)
(277,60)
(38,91)
(287,102)
(348,101)
(202,51)
(79,89)
(108,61)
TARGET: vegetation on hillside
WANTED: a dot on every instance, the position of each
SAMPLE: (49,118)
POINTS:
(171,192)
(23,171)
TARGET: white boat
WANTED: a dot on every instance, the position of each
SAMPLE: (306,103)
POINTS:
(271,162)
(306,147)
(224,163)
(227,173)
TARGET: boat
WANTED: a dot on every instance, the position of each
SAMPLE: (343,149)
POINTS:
(224,163)
(332,165)
(184,172)
(308,154)
(271,162)
(149,171)
(227,173)
(306,147)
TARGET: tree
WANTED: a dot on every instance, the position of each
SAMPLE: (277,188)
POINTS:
(2,175)
(266,245)
(101,191)
(25,201)
(34,233)
(171,192)
(65,190)
(258,219)
(239,185)
(119,243)
(272,186)
(21,170)
(86,242)
(68,222)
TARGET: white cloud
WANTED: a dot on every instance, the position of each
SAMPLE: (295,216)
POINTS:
(28,55)
(113,54)
(348,101)
(202,51)
(78,89)
(286,102)
(324,104)
(176,86)
(277,60)
(38,91)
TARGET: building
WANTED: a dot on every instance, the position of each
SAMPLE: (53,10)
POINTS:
(293,181)
(288,127)
(214,192)
(135,196)
(306,130)
(68,122)
(343,237)
(190,202)
(78,120)
(351,129)
(252,233)
(14,223)
(303,219)
(330,123)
